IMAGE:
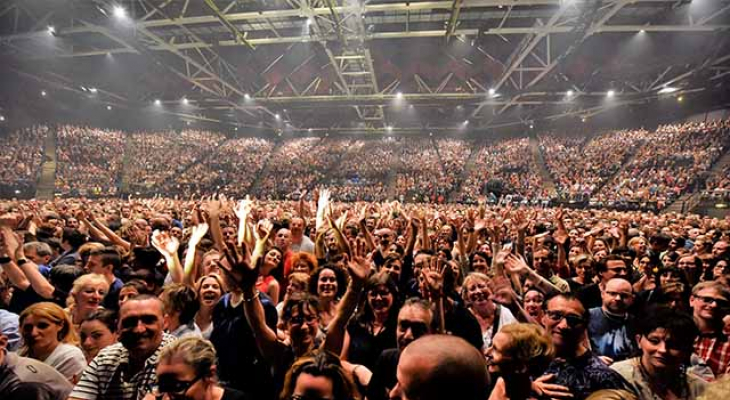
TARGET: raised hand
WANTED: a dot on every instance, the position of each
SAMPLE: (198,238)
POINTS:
(244,208)
(164,243)
(237,265)
(213,206)
(263,229)
(358,266)
(433,276)
(198,233)
(515,264)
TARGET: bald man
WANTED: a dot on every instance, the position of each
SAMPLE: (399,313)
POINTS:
(437,367)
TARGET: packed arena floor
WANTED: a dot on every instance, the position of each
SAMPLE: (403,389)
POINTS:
(125,298)
(626,169)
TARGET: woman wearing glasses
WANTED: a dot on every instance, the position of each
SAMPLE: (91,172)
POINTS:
(666,338)
(186,370)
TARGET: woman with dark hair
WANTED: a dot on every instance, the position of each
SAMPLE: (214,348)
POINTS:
(373,328)
(582,266)
(480,262)
(670,285)
(270,265)
(130,289)
(98,330)
(666,339)
(328,283)
(209,289)
(304,379)
(669,259)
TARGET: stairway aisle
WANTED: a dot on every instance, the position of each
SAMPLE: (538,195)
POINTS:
(47,180)
(688,201)
(542,170)
(469,166)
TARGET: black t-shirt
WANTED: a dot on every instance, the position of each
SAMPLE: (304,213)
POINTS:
(240,364)
(462,323)
(364,347)
(22,299)
(384,375)
(233,394)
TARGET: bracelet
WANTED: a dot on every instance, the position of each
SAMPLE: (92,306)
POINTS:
(5,260)
(254,297)
(21,261)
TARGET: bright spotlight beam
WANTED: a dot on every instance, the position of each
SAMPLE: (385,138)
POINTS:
(120,12)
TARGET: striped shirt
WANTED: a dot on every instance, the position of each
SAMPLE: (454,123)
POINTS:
(105,378)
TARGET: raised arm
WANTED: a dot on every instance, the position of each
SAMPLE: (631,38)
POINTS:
(213,209)
(167,246)
(515,264)
(197,234)
(8,246)
(242,271)
(359,270)
(110,235)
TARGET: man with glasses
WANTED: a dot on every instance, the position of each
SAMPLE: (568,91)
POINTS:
(126,370)
(709,302)
(611,325)
(575,367)
(612,266)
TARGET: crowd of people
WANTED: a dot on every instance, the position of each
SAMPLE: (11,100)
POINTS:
(298,164)
(231,168)
(504,167)
(21,158)
(216,298)
(89,161)
(150,166)
(627,169)
(362,174)
(580,166)
(672,160)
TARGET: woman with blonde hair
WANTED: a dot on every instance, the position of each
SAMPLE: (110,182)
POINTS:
(49,336)
(477,294)
(86,295)
(187,369)
(518,353)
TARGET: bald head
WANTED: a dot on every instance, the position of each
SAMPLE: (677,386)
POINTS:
(434,365)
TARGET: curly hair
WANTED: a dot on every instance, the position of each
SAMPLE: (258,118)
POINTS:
(529,346)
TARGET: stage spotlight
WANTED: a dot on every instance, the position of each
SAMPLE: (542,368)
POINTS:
(120,12)
(399,95)
(185,101)
(570,93)
(235,129)
(157,102)
(466,122)
(680,98)
(583,119)
(532,126)
(93,90)
(610,93)
(310,21)
(389,128)
(2,118)
(492,92)
(247,96)
(642,31)
(109,108)
(51,30)
(277,116)
(43,93)
(309,130)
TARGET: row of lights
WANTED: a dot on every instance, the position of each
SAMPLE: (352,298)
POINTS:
(118,11)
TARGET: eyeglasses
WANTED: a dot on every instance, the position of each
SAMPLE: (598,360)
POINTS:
(571,319)
(167,383)
(722,303)
(619,269)
(306,397)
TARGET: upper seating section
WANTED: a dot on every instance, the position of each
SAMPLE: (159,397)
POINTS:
(21,158)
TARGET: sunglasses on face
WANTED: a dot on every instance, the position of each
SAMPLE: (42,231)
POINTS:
(709,300)
(131,322)
(571,319)
(169,384)
(306,397)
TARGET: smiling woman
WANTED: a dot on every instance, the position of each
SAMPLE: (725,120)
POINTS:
(86,296)
(49,337)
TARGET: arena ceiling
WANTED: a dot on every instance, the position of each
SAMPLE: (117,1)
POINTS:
(370,66)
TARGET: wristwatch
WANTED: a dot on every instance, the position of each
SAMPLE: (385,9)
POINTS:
(21,261)
(5,260)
